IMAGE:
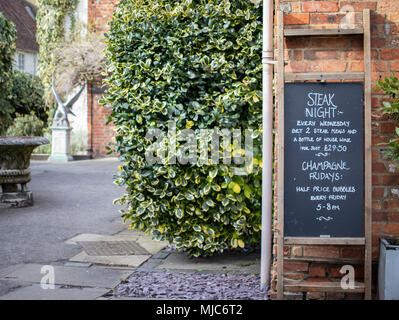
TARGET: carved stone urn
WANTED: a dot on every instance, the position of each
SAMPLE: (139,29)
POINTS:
(15,155)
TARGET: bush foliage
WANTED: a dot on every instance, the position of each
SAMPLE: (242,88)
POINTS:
(390,87)
(7,52)
(27,95)
(197,63)
(26,125)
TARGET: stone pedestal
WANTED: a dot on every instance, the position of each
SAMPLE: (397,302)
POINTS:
(61,144)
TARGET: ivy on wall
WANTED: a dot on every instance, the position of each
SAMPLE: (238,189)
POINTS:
(50,21)
(7,52)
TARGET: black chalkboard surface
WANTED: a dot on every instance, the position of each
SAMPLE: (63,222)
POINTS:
(324,160)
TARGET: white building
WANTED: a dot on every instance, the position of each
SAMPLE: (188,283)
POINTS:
(23,14)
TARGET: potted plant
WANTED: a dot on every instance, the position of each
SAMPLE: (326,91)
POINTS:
(388,270)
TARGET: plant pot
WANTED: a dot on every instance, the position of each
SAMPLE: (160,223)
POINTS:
(15,155)
(388,270)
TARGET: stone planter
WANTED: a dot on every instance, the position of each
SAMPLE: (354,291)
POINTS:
(15,155)
(388,270)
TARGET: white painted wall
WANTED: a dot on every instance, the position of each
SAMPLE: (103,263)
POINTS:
(79,134)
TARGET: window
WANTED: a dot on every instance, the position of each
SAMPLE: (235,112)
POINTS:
(21,62)
(34,64)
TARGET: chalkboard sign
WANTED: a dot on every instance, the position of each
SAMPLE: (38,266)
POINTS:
(324,160)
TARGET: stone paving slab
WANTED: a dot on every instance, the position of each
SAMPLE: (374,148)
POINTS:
(7,286)
(127,261)
(246,264)
(152,246)
(35,292)
(102,237)
(82,277)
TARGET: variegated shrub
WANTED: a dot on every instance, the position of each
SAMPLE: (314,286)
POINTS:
(196,63)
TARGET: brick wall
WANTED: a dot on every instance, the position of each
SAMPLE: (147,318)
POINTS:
(100,12)
(99,134)
(340,54)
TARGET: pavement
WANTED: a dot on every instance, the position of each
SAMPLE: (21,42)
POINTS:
(74,238)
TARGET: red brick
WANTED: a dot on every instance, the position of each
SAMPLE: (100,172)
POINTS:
(354,55)
(296,43)
(356,66)
(388,127)
(388,6)
(375,239)
(394,17)
(390,54)
(393,216)
(379,66)
(376,228)
(320,6)
(391,228)
(375,179)
(353,253)
(298,55)
(316,66)
(321,54)
(378,167)
(360,5)
(378,192)
(376,205)
(322,18)
(375,140)
(391,204)
(333,66)
(379,216)
(295,275)
(395,66)
(378,42)
(390,180)
(330,42)
(317,271)
(295,266)
(375,154)
(297,18)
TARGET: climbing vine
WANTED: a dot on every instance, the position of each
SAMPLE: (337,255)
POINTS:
(7,51)
(50,31)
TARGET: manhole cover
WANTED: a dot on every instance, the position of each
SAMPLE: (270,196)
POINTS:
(112,248)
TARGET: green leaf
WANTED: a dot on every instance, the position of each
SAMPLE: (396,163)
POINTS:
(235,187)
(213,173)
(247,191)
(179,213)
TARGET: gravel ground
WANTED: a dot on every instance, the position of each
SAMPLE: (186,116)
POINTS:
(191,286)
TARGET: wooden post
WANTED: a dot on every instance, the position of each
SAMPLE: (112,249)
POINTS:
(367,155)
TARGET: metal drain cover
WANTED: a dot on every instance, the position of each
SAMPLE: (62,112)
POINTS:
(112,248)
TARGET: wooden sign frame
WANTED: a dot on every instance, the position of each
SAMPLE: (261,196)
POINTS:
(282,78)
